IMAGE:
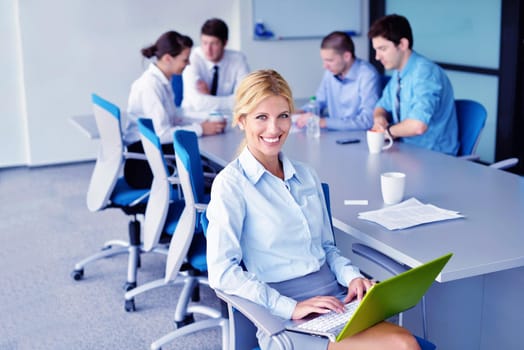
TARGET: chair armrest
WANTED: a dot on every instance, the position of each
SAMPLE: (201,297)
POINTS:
(200,207)
(174,180)
(505,164)
(259,315)
(472,157)
(378,258)
(133,155)
(140,199)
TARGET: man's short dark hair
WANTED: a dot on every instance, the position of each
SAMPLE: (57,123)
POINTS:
(217,28)
(339,41)
(393,28)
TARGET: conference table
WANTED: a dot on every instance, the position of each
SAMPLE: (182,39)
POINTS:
(477,300)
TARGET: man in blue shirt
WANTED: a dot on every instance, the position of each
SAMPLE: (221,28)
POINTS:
(418,104)
(349,88)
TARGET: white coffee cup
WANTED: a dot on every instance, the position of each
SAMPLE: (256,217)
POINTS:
(376,140)
(393,185)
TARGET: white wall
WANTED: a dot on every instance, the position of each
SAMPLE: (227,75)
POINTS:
(57,52)
(12,114)
(71,49)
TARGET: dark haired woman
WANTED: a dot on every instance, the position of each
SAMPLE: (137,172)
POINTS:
(152,97)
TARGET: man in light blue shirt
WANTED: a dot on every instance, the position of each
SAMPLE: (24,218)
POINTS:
(349,88)
(418,104)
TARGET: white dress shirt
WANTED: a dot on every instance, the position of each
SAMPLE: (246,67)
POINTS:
(231,69)
(279,229)
(152,97)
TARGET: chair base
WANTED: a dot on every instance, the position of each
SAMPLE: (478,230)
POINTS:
(216,321)
(116,247)
(129,296)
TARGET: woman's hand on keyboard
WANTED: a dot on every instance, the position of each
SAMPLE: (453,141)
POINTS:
(357,288)
(320,305)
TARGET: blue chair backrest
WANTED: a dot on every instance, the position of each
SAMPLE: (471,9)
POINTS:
(178,88)
(113,109)
(471,117)
(186,148)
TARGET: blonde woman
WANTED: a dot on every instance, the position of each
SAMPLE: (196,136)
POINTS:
(268,213)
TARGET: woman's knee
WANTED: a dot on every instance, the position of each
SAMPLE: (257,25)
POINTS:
(405,341)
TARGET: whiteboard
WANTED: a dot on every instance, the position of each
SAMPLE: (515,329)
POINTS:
(295,19)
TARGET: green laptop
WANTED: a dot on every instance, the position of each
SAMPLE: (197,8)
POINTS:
(385,299)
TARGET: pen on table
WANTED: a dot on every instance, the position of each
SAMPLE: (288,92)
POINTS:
(355,202)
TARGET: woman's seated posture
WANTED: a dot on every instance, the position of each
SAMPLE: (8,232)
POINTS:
(267,212)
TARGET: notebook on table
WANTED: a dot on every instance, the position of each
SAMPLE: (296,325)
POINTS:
(383,300)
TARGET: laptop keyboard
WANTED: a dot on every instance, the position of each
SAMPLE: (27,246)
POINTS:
(332,322)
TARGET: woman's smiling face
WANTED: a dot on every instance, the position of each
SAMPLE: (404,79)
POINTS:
(267,127)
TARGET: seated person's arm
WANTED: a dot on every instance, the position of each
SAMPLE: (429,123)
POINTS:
(380,119)
(408,127)
(359,114)
(212,127)
(224,253)
(202,87)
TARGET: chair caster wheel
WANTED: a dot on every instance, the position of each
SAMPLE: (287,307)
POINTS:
(129,285)
(77,274)
(187,320)
(130,305)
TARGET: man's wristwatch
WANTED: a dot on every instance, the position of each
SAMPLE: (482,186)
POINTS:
(389,131)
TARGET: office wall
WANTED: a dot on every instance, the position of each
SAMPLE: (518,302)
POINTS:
(70,49)
(297,60)
(12,114)
(58,52)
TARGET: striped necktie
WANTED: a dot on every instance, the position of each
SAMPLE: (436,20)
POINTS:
(214,82)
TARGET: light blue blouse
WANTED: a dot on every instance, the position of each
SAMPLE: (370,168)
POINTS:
(426,95)
(278,229)
(350,100)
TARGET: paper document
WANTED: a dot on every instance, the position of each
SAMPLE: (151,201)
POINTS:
(409,213)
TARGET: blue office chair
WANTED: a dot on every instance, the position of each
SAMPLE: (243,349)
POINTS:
(471,117)
(188,244)
(178,88)
(108,189)
(245,316)
(164,206)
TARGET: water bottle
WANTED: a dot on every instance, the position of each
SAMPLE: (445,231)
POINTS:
(313,123)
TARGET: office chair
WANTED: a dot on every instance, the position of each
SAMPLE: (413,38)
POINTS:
(245,316)
(188,244)
(164,206)
(471,117)
(505,164)
(108,189)
(178,88)
(392,267)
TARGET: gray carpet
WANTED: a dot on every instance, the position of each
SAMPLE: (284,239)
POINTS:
(45,228)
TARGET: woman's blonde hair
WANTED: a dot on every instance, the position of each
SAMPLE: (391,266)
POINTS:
(258,86)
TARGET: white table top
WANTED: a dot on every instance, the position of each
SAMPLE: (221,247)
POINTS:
(490,238)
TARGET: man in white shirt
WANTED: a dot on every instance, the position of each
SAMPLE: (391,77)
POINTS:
(202,91)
